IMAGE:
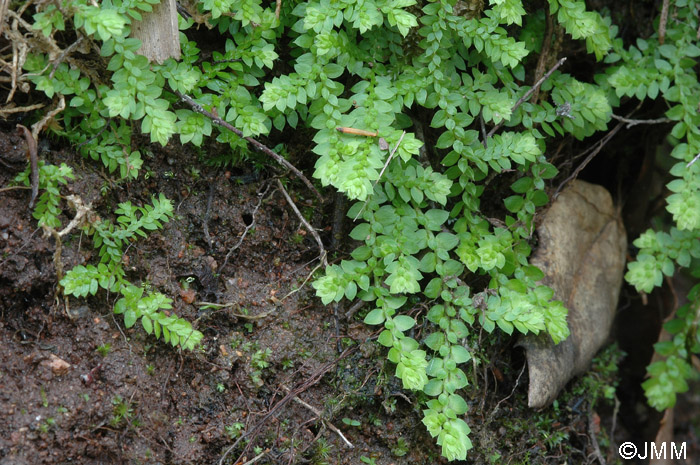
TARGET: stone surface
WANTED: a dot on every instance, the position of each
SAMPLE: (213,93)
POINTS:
(582,254)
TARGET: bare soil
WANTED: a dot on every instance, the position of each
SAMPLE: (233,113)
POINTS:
(77,387)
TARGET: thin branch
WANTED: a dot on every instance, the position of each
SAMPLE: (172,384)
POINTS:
(544,54)
(278,8)
(528,94)
(599,146)
(63,55)
(247,228)
(8,111)
(11,188)
(634,122)
(33,158)
(321,249)
(391,155)
(483,129)
(294,291)
(263,148)
(517,381)
(298,389)
(662,22)
(319,415)
(207,213)
(242,316)
(257,457)
(691,162)
(592,435)
(355,307)
(39,125)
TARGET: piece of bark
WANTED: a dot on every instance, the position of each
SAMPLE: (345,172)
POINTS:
(158,32)
(582,254)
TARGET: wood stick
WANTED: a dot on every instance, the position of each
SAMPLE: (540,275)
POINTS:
(322,250)
(263,148)
(527,95)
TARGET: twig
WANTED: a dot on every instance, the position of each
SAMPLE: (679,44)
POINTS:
(79,219)
(662,22)
(32,157)
(294,291)
(278,8)
(600,144)
(691,162)
(97,134)
(247,228)
(321,249)
(205,221)
(594,440)
(39,125)
(517,381)
(263,148)
(528,94)
(616,410)
(355,307)
(318,414)
(544,53)
(237,315)
(483,130)
(634,122)
(9,111)
(391,155)
(3,11)
(63,55)
(301,387)
(81,211)
(257,457)
(11,188)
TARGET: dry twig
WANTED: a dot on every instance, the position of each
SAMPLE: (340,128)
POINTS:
(321,249)
(32,157)
(28,108)
(278,8)
(237,315)
(634,122)
(294,291)
(39,125)
(662,22)
(318,414)
(263,148)
(388,160)
(527,95)
(544,54)
(261,196)
(592,435)
(596,148)
(301,387)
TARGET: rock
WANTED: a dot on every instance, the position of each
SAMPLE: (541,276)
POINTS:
(582,254)
(57,365)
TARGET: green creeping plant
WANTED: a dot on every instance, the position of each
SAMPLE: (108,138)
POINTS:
(424,233)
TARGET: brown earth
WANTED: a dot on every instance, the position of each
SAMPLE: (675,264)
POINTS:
(77,387)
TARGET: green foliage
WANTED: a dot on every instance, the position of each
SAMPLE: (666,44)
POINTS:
(423,227)
(649,70)
(668,377)
(47,206)
(110,240)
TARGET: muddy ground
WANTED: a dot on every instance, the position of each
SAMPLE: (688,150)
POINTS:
(77,387)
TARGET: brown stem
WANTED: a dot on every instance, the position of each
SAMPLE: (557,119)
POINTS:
(662,22)
(263,148)
(544,54)
(527,95)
